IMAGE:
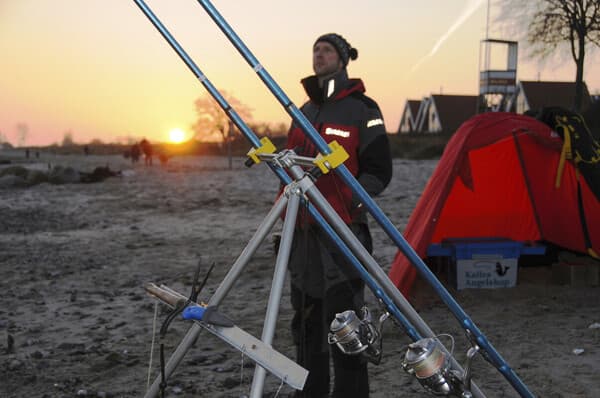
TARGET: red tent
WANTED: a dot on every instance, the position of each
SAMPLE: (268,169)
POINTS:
(498,178)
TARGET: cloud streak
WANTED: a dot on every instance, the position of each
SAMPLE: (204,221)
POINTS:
(469,9)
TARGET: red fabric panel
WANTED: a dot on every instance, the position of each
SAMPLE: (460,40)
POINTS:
(478,189)
(558,208)
(499,203)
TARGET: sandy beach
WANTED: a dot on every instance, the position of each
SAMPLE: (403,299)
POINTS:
(75,320)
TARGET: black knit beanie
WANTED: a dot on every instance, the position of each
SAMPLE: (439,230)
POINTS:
(343,48)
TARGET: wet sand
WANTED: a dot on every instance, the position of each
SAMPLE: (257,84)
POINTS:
(76,321)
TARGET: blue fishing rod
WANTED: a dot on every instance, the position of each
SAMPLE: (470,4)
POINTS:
(283,176)
(386,301)
(381,294)
(491,354)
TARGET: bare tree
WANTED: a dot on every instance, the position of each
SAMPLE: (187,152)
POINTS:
(269,129)
(127,139)
(552,23)
(68,139)
(212,123)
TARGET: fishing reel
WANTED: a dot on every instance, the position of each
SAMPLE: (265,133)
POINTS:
(429,362)
(355,336)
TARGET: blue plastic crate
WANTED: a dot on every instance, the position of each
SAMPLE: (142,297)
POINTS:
(482,262)
(466,248)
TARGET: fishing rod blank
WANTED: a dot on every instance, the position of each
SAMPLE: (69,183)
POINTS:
(389,303)
(492,355)
(397,298)
(250,135)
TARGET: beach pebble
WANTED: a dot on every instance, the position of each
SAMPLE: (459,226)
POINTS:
(10,343)
(177,390)
(231,382)
(128,173)
(595,325)
(39,354)
(82,393)
(15,364)
(578,351)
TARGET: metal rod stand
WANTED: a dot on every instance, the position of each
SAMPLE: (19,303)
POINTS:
(232,275)
(283,256)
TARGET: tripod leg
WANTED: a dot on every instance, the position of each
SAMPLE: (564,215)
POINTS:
(283,256)
(235,271)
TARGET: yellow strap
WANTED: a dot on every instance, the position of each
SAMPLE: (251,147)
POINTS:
(565,154)
(592,253)
(265,147)
(328,162)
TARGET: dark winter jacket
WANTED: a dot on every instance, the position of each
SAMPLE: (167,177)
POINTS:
(341,111)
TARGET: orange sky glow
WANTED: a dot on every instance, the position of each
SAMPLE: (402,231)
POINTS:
(99,69)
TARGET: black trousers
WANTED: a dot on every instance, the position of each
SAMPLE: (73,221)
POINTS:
(310,326)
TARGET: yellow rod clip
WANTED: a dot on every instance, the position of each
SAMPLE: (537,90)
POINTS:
(328,162)
(265,147)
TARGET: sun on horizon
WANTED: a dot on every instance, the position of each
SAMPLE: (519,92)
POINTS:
(177,136)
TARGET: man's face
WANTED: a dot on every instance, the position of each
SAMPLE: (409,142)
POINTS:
(325,59)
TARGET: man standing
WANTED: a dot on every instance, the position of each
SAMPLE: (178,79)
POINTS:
(323,282)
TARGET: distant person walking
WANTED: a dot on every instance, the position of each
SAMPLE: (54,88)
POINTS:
(134,152)
(323,282)
(147,150)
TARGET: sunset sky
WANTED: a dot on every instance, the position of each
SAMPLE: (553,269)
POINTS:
(99,69)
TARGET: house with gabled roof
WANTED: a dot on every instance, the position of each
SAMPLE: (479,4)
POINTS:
(409,116)
(535,95)
(437,113)
(447,112)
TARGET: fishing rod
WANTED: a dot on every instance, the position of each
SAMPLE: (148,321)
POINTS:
(380,277)
(284,177)
(490,352)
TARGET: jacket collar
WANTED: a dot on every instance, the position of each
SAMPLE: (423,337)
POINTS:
(335,87)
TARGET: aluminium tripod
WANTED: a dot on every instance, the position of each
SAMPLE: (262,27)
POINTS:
(258,350)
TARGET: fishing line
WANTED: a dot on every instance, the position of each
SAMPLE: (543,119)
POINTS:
(242,370)
(154,322)
(279,389)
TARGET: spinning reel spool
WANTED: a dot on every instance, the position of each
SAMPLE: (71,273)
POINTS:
(427,360)
(356,335)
